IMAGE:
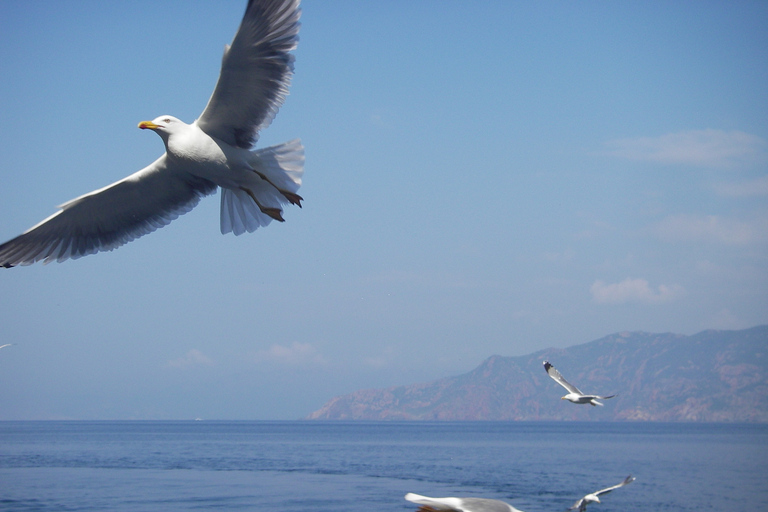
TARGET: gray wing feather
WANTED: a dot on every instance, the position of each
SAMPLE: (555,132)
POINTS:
(109,217)
(626,481)
(256,71)
(552,372)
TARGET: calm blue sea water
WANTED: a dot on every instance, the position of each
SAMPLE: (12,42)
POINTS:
(338,467)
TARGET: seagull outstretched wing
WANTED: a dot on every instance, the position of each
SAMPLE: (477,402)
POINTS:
(626,481)
(107,218)
(256,71)
(552,372)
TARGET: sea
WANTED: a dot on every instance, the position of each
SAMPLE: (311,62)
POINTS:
(309,466)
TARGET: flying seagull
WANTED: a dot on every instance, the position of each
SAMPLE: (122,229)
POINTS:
(214,151)
(581,505)
(6,345)
(459,504)
(574,394)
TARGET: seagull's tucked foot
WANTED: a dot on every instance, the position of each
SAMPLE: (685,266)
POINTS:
(292,198)
(275,213)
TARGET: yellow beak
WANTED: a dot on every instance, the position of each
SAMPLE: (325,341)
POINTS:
(144,125)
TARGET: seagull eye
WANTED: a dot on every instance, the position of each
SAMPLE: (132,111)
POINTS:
(167,120)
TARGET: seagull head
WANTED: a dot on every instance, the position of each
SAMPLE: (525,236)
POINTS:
(163,125)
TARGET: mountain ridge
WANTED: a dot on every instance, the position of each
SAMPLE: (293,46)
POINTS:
(711,376)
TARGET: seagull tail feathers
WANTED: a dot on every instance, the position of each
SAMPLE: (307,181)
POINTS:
(277,177)
(283,164)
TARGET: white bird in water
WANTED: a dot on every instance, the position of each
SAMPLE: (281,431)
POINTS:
(214,151)
(581,504)
(574,395)
(459,504)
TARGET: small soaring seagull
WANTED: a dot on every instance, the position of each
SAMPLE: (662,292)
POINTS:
(6,345)
(574,394)
(459,504)
(212,152)
(581,505)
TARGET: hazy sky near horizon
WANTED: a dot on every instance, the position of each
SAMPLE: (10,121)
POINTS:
(481,178)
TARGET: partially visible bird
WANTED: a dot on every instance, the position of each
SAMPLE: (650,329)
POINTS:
(6,345)
(459,504)
(575,395)
(581,504)
(212,152)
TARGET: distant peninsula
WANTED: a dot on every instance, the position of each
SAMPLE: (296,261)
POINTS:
(712,376)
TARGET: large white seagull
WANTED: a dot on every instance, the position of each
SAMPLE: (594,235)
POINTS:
(214,151)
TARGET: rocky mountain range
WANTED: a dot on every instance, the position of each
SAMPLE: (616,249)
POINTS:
(712,376)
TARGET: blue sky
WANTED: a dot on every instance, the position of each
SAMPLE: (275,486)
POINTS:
(480,179)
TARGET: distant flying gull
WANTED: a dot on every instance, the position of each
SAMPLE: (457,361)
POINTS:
(6,345)
(581,505)
(214,151)
(459,504)
(574,394)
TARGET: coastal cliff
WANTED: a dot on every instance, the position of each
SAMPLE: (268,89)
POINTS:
(712,376)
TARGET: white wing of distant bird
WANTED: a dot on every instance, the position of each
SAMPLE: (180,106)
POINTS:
(459,504)
(581,504)
(575,395)
(6,345)
(212,152)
